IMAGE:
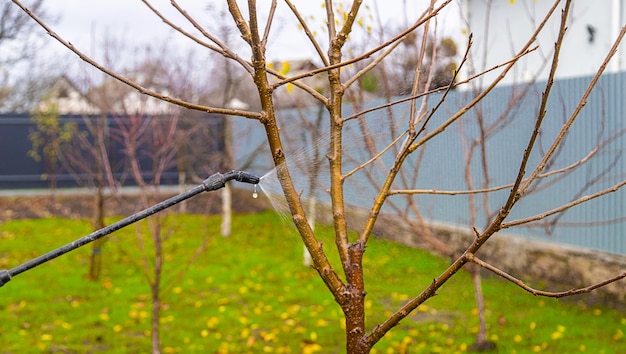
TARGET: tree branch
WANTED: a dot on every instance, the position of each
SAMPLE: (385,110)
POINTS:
(223,49)
(410,146)
(497,188)
(430,291)
(321,262)
(268,24)
(375,157)
(343,34)
(472,258)
(440,89)
(308,33)
(581,103)
(367,54)
(564,207)
(239,21)
(131,83)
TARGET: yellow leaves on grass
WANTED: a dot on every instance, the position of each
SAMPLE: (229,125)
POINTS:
(321,323)
(212,322)
(619,334)
(268,336)
(539,347)
(558,334)
(17,307)
(311,348)
(399,297)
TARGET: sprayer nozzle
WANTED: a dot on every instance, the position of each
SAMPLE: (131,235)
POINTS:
(246,177)
(218,180)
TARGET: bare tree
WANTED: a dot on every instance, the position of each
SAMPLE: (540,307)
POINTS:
(17,32)
(150,136)
(19,44)
(86,158)
(346,282)
(154,137)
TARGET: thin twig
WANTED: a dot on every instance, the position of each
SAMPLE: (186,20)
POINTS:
(564,207)
(375,157)
(472,258)
(581,103)
(430,291)
(299,84)
(413,115)
(497,188)
(224,49)
(365,55)
(368,68)
(131,83)
(439,89)
(308,33)
(268,24)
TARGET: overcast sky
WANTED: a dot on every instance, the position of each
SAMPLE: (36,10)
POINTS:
(86,23)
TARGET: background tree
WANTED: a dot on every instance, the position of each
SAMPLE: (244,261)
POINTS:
(88,161)
(346,280)
(151,135)
(49,139)
(20,43)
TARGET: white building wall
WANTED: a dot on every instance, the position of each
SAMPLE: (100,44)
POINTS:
(501,29)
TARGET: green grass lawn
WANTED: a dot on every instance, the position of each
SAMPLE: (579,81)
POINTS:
(250,294)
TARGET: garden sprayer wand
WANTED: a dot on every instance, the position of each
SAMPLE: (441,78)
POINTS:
(212,183)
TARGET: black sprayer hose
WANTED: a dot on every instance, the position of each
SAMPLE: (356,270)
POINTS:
(212,183)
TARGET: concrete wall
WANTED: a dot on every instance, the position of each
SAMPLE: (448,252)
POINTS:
(543,265)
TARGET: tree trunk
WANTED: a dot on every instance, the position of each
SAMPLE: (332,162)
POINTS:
(227,210)
(95,264)
(156,305)
(227,203)
(182,176)
(156,286)
(354,306)
(482,344)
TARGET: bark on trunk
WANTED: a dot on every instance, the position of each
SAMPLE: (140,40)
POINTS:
(354,306)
